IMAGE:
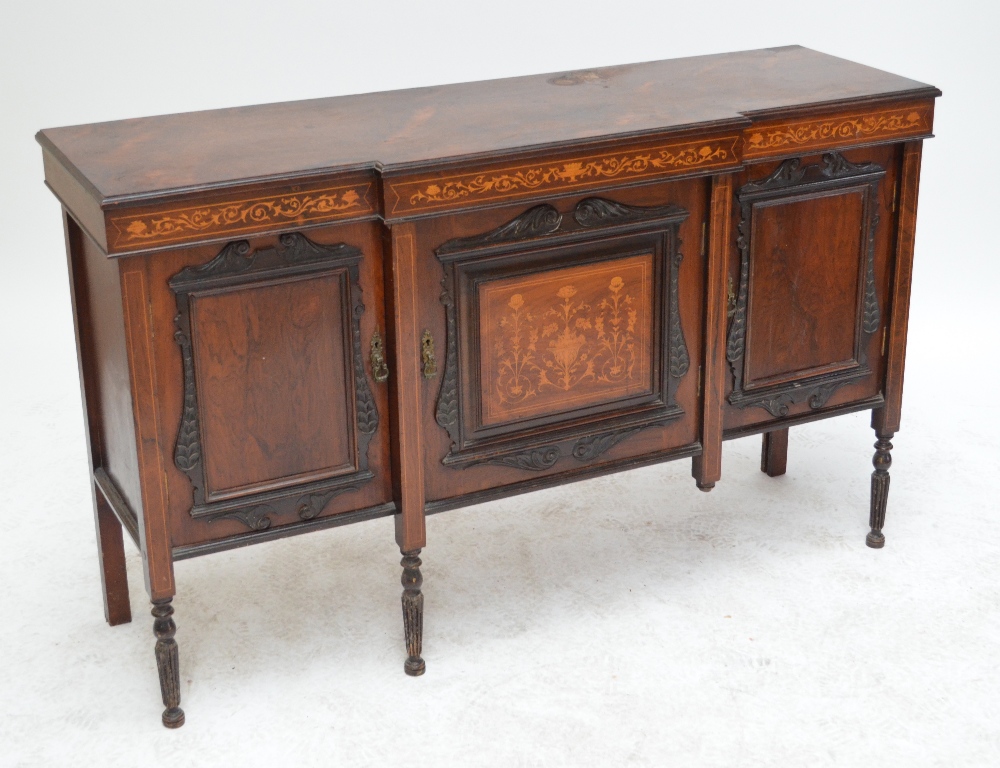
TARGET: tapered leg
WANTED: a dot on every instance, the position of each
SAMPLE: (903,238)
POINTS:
(774,452)
(111,555)
(882,460)
(413,612)
(167,663)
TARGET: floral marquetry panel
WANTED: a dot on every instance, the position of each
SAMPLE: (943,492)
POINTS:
(566,338)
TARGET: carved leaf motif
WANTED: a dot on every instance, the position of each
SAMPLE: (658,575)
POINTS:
(596,211)
(537,221)
(446,413)
(777,406)
(587,448)
(309,507)
(872,316)
(187,452)
(738,324)
(536,459)
(254,518)
(679,359)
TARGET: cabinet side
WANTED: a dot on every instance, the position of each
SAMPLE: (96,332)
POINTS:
(104,376)
(887,419)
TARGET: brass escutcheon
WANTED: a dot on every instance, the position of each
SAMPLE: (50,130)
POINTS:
(427,355)
(380,371)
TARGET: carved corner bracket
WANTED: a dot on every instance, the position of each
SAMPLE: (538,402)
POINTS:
(238,266)
(788,180)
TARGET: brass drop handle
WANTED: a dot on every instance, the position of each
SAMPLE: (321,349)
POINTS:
(427,355)
(380,371)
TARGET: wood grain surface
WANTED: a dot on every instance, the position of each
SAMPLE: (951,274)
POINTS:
(147,155)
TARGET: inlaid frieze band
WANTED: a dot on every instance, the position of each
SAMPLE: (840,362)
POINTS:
(839,130)
(575,173)
(239,217)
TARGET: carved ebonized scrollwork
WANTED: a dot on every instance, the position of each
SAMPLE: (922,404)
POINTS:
(187,452)
(586,323)
(535,459)
(598,212)
(236,266)
(256,518)
(310,505)
(787,181)
(535,222)
(591,447)
(446,414)
(679,359)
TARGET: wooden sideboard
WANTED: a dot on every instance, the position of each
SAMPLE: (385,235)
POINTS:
(296,316)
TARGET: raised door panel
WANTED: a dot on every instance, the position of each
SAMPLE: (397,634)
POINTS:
(803,287)
(568,338)
(806,306)
(272,367)
(280,419)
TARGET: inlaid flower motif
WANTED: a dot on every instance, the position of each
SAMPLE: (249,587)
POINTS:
(571,171)
(582,342)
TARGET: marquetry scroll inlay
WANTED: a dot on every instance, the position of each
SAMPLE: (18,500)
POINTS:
(822,133)
(582,172)
(238,217)
(569,337)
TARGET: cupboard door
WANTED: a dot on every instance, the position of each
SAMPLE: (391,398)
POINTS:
(278,413)
(564,336)
(806,306)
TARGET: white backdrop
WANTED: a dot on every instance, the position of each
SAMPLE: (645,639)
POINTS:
(546,644)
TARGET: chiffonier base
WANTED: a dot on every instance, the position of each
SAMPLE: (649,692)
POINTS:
(298,316)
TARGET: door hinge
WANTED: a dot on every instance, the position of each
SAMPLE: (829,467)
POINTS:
(704,237)
(699,381)
(885,339)
(895,195)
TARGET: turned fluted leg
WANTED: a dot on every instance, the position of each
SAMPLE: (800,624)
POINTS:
(167,664)
(882,460)
(413,612)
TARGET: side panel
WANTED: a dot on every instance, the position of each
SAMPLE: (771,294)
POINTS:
(104,361)
(809,297)
(265,420)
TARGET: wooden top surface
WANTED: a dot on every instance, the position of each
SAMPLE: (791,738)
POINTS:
(155,155)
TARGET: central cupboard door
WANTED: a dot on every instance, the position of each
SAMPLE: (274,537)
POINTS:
(566,344)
